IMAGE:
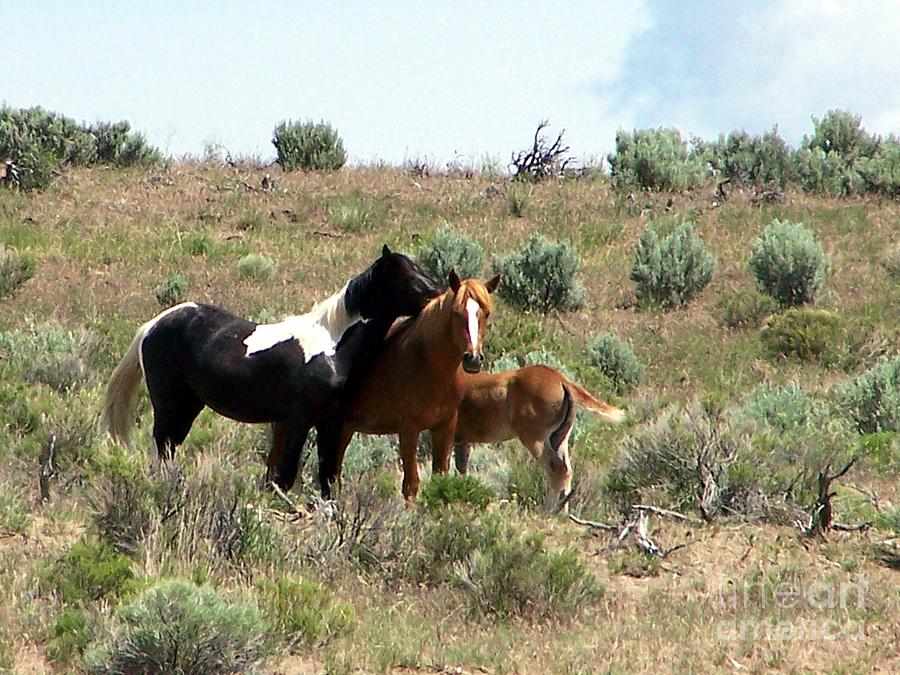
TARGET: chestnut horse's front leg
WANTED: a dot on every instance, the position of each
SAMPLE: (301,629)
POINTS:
(441,444)
(408,439)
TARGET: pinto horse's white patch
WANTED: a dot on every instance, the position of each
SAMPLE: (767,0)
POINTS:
(472,308)
(312,336)
(317,332)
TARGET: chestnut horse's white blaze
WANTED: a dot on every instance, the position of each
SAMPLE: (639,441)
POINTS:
(472,308)
(317,332)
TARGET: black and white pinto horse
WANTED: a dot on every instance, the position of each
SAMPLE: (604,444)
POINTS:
(290,374)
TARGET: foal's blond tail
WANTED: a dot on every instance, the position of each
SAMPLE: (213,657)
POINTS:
(118,410)
(606,412)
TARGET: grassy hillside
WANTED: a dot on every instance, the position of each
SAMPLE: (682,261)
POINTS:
(376,587)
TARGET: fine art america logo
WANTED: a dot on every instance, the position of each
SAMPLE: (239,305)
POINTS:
(803,611)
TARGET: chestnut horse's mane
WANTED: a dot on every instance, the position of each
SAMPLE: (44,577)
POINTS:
(428,324)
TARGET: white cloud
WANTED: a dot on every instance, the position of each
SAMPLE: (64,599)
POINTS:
(762,64)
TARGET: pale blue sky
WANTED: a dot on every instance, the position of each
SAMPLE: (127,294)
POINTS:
(445,79)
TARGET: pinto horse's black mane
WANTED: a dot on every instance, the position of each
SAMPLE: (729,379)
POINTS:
(400,272)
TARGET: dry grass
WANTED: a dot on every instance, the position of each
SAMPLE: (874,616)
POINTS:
(102,240)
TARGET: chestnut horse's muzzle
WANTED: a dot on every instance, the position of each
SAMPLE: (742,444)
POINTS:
(472,363)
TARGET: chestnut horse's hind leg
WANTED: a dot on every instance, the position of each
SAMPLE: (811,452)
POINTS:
(461,457)
(410,464)
(441,444)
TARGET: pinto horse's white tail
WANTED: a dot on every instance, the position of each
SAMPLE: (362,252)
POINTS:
(606,412)
(118,410)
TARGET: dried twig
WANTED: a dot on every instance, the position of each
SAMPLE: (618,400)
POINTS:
(666,512)
(287,500)
(593,524)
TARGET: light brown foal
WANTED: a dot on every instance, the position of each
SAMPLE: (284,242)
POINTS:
(535,404)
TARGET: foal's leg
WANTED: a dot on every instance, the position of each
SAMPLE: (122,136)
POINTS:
(461,456)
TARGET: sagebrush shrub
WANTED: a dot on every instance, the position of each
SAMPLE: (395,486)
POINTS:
(655,159)
(40,142)
(308,146)
(541,276)
(171,290)
(177,627)
(257,267)
(760,160)
(450,250)
(670,272)
(807,334)
(784,408)
(788,263)
(872,399)
(684,458)
(840,132)
(744,309)
(62,359)
(617,361)
(881,171)
(505,573)
(15,269)
(827,173)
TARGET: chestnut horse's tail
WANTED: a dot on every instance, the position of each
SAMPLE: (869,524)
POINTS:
(118,410)
(606,412)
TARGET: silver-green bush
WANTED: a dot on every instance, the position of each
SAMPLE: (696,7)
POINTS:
(655,159)
(617,361)
(39,142)
(450,250)
(760,160)
(872,399)
(177,627)
(788,263)
(881,171)
(671,272)
(541,276)
(309,146)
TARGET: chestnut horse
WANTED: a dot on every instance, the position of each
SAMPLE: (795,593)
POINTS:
(289,373)
(415,383)
(535,404)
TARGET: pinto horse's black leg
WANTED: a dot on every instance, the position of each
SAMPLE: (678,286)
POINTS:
(284,457)
(172,423)
(332,439)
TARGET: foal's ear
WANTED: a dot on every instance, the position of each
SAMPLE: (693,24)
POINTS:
(492,283)
(455,282)
(385,251)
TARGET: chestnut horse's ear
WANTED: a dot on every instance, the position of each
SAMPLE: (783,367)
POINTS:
(385,251)
(455,282)
(492,283)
